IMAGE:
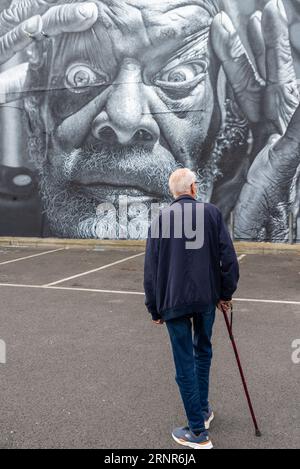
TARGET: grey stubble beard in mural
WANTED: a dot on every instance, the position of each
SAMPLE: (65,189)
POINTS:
(72,192)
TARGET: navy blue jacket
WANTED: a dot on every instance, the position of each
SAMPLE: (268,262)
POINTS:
(180,281)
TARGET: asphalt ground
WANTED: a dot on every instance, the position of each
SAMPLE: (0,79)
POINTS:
(86,368)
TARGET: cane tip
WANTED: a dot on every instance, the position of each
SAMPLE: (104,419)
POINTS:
(258,433)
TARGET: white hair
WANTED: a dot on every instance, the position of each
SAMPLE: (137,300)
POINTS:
(181,180)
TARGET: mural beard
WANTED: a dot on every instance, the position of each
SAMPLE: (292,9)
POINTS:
(71,208)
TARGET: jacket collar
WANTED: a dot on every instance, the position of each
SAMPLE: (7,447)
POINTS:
(182,197)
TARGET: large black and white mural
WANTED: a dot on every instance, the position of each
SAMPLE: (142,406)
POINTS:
(101,100)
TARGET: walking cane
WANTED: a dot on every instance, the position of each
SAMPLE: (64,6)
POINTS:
(229,328)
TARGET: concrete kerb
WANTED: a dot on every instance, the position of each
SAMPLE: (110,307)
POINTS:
(241,247)
(72,243)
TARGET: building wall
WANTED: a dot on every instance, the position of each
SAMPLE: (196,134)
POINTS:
(98,107)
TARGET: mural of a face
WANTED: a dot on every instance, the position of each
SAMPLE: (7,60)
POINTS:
(120,93)
(128,101)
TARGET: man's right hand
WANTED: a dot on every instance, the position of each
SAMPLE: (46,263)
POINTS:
(159,322)
(224,306)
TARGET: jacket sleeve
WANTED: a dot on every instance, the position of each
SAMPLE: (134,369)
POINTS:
(150,275)
(229,262)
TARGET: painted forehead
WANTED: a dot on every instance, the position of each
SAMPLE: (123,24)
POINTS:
(136,26)
(213,6)
(156,20)
(162,6)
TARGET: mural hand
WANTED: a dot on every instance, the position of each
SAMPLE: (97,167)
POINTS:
(56,20)
(275,83)
(281,95)
(19,12)
(271,101)
(19,37)
(70,18)
(256,39)
(266,199)
(241,74)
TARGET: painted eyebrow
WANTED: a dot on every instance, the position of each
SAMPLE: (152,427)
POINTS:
(212,7)
(188,50)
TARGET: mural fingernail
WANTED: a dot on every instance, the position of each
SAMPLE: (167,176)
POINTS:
(33,26)
(227,24)
(257,16)
(88,10)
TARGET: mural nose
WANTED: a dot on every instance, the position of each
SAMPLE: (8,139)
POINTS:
(109,135)
(126,118)
(126,130)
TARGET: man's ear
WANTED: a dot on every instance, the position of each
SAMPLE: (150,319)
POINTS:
(194,189)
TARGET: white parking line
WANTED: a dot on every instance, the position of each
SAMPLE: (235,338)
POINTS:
(95,290)
(31,256)
(276,302)
(94,270)
(127,292)
(89,290)
(103,268)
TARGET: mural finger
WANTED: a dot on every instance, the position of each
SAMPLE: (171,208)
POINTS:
(286,153)
(69,18)
(240,72)
(13,82)
(19,38)
(282,87)
(21,11)
(256,40)
(269,181)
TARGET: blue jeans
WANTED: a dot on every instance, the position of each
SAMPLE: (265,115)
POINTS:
(192,357)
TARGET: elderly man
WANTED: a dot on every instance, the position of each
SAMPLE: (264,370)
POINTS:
(183,286)
(121,92)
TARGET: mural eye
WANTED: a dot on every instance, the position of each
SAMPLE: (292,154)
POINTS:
(80,77)
(183,75)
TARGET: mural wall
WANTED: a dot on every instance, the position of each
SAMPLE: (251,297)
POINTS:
(100,101)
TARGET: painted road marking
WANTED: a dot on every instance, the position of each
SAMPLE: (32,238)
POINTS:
(31,256)
(124,292)
(276,302)
(94,270)
(240,258)
(89,290)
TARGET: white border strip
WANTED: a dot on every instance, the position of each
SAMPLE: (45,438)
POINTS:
(31,256)
(94,270)
(123,292)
